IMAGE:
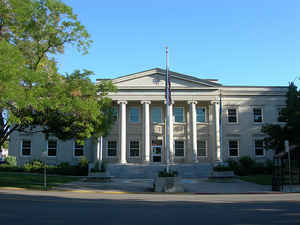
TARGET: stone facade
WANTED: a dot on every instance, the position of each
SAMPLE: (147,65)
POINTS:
(138,135)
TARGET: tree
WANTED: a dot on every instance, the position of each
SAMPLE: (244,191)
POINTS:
(33,95)
(276,134)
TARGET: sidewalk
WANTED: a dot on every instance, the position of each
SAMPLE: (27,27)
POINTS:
(201,186)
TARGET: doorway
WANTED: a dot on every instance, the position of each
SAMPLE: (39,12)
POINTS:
(156,150)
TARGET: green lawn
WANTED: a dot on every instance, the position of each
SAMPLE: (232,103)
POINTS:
(258,179)
(32,181)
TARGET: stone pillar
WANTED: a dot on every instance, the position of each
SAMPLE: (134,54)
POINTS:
(193,125)
(122,131)
(217,122)
(146,130)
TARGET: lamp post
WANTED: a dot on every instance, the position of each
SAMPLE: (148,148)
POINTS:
(45,164)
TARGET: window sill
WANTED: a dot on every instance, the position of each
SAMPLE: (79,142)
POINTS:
(260,156)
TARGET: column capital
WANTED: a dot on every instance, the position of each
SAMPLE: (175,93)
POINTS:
(214,102)
(145,102)
(192,102)
(122,102)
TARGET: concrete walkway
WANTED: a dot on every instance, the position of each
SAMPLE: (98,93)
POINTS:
(203,186)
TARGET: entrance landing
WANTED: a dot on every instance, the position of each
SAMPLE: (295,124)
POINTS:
(150,171)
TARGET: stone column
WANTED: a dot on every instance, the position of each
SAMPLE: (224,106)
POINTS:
(217,122)
(122,131)
(146,130)
(193,125)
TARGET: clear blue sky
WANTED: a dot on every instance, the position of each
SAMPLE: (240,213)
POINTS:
(253,42)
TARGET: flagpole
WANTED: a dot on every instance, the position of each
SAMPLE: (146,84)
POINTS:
(167,113)
(221,127)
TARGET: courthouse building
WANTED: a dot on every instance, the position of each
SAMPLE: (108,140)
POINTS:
(210,122)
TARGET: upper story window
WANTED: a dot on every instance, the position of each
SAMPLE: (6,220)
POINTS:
(178,114)
(259,147)
(201,114)
(233,148)
(52,147)
(115,113)
(156,114)
(26,147)
(232,115)
(279,115)
(134,114)
(257,115)
(78,149)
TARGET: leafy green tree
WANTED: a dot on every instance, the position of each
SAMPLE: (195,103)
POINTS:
(34,97)
(276,134)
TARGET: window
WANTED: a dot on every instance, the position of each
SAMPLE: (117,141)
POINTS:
(202,148)
(134,148)
(52,147)
(156,114)
(111,148)
(233,146)
(115,113)
(179,148)
(134,114)
(259,147)
(232,115)
(200,114)
(178,114)
(78,149)
(26,147)
(257,114)
(279,115)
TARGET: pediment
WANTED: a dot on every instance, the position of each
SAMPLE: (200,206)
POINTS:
(156,78)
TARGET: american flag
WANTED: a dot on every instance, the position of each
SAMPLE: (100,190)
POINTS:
(168,82)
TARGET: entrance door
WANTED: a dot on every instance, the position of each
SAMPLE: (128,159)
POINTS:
(156,150)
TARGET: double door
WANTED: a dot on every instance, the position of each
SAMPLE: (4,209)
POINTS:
(156,150)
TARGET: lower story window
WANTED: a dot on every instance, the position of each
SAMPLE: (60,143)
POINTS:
(179,148)
(52,147)
(233,146)
(259,148)
(26,147)
(134,148)
(78,149)
(202,148)
(111,148)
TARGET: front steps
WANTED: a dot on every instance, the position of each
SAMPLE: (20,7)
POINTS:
(150,171)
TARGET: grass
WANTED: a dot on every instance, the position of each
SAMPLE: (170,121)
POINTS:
(258,179)
(32,181)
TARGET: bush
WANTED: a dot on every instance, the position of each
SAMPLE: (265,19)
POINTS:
(221,168)
(8,168)
(11,160)
(164,173)
(247,166)
(83,162)
(35,166)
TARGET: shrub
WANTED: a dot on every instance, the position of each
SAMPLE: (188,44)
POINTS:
(103,167)
(220,168)
(164,173)
(83,162)
(35,166)
(11,160)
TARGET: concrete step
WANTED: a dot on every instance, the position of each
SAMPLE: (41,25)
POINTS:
(150,171)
